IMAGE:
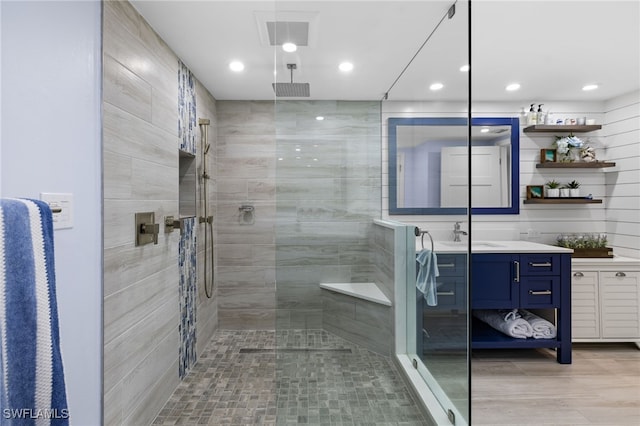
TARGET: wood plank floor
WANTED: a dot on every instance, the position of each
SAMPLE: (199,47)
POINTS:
(528,387)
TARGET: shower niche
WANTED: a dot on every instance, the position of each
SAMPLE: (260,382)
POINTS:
(187,176)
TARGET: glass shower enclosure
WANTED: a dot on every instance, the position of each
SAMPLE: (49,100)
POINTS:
(345,358)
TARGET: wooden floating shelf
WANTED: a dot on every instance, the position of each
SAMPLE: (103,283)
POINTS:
(576,165)
(561,201)
(546,128)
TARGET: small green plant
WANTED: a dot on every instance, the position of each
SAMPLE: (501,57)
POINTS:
(578,241)
(574,184)
(552,184)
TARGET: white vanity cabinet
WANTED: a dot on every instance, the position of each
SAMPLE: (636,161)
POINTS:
(605,300)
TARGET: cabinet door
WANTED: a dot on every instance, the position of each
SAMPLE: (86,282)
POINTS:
(494,284)
(619,302)
(585,306)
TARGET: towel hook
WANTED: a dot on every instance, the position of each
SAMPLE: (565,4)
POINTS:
(419,233)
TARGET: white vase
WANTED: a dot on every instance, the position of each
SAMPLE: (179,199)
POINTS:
(564,192)
(574,192)
(553,192)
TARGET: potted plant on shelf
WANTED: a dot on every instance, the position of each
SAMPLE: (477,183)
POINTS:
(553,189)
(574,188)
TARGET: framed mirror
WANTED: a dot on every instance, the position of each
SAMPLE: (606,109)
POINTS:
(428,163)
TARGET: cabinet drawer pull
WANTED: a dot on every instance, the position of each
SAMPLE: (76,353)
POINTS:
(620,274)
(446,293)
(540,265)
(446,265)
(539,293)
(578,274)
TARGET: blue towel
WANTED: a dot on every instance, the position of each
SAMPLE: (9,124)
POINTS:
(426,281)
(33,388)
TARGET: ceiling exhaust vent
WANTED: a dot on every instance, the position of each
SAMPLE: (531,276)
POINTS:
(288,32)
(291,90)
(299,27)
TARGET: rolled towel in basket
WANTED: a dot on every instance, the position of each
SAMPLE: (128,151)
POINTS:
(507,322)
(542,329)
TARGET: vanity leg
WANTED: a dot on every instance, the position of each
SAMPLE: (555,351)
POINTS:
(564,312)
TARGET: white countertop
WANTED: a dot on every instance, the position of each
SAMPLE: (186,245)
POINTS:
(615,261)
(492,247)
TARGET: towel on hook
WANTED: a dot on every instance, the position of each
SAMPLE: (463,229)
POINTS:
(33,378)
(542,329)
(507,322)
(426,280)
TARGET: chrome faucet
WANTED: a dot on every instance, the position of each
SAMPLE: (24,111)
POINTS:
(457,232)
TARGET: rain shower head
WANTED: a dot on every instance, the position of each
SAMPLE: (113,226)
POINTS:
(291,90)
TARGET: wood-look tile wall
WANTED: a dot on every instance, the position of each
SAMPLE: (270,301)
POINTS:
(328,193)
(245,170)
(325,202)
(140,154)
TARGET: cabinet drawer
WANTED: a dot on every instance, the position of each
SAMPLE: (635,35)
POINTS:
(540,292)
(451,293)
(450,265)
(540,264)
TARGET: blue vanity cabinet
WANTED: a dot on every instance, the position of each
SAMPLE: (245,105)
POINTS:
(526,280)
(444,326)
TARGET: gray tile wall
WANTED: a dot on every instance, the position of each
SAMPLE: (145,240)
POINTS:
(324,201)
(140,162)
(328,192)
(245,174)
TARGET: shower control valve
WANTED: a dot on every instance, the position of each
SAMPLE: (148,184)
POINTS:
(146,229)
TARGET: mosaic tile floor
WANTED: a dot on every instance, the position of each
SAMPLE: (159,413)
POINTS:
(313,378)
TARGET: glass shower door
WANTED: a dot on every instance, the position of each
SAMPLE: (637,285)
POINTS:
(418,142)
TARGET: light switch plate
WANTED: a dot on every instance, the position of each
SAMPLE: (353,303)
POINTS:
(63,201)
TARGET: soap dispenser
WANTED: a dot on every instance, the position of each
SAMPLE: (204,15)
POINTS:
(532,117)
(540,115)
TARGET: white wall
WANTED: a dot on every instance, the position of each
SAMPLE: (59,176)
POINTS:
(51,142)
(622,141)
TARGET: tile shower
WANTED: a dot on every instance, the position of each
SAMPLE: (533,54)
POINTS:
(315,189)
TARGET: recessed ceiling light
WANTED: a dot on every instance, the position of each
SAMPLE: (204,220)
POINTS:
(588,87)
(346,66)
(436,86)
(319,118)
(236,66)
(289,47)
(512,87)
(465,68)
